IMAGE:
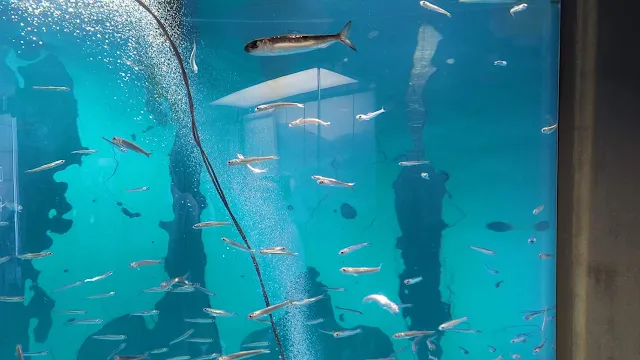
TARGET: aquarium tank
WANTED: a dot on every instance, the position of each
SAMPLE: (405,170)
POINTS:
(293,180)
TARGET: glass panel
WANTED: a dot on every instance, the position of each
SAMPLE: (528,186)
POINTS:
(383,174)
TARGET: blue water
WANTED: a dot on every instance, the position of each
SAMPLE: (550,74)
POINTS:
(468,95)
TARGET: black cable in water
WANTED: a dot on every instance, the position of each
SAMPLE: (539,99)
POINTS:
(209,167)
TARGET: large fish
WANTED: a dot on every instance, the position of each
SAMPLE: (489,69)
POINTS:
(123,143)
(296,43)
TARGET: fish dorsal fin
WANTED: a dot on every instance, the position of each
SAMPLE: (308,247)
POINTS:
(240,156)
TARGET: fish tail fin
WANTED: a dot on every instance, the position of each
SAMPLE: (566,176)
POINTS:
(148,153)
(326,123)
(343,36)
(351,185)
(383,110)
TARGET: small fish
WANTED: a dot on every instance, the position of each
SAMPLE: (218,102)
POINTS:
(216,312)
(334,288)
(353,248)
(308,301)
(130,357)
(85,321)
(12,206)
(297,43)
(100,296)
(207,224)
(235,244)
(110,337)
(4,223)
(54,88)
(130,145)
(276,105)
(432,7)
(521,338)
(412,281)
(466,331)
(492,349)
(169,283)
(413,163)
(491,271)
(349,310)
(201,320)
(308,121)
(19,352)
(256,170)
(275,251)
(531,240)
(315,321)
(11,299)
(207,357)
(33,256)
(46,166)
(71,312)
(4,259)
(499,283)
(415,343)
(360,270)
(369,116)
(383,301)
(549,129)
(77,283)
(430,344)
(145,313)
(482,250)
(425,176)
(500,63)
(250,160)
(84,152)
(244,354)
(268,310)
(100,277)
(450,324)
(156,289)
(321,180)
(182,337)
(137,264)
(182,357)
(36,353)
(206,291)
(464,351)
(412,334)
(538,210)
(159,351)
(200,340)
(256,344)
(515,356)
(518,8)
(117,350)
(538,348)
(192,59)
(344,333)
(141,189)
(184,289)
(545,256)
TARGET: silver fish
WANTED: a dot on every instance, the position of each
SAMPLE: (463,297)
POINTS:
(244,354)
(36,353)
(200,340)
(130,145)
(216,312)
(85,321)
(77,283)
(110,337)
(192,59)
(482,250)
(71,312)
(538,210)
(412,334)
(500,63)
(11,299)
(201,320)
(206,291)
(308,121)
(341,334)
(206,224)
(353,248)
(360,270)
(235,244)
(315,321)
(100,296)
(450,324)
(549,129)
(54,88)
(47,166)
(182,337)
(430,6)
(369,116)
(33,256)
(207,357)
(145,313)
(308,301)
(383,301)
(4,259)
(269,310)
(297,43)
(159,351)
(137,264)
(100,277)
(273,106)
(250,160)
(85,152)
(256,344)
(413,163)
(412,281)
(141,189)
(518,8)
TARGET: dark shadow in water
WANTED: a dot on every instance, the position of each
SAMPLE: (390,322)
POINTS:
(419,211)
(47,131)
(372,343)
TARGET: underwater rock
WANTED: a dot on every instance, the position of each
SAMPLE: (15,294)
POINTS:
(372,343)
(348,212)
(418,206)
(541,226)
(499,226)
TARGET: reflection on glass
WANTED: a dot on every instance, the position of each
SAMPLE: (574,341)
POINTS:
(397,200)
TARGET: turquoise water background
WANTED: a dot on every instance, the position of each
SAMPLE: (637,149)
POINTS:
(477,123)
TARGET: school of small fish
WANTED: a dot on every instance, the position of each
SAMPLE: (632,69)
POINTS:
(278,46)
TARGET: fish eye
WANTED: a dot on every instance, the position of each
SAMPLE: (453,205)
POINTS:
(406,282)
(336,334)
(342,252)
